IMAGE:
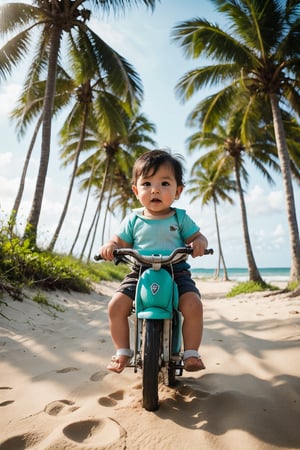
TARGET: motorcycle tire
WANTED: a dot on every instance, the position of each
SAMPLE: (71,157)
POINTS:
(151,363)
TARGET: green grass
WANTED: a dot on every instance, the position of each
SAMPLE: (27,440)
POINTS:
(21,265)
(41,299)
(249,287)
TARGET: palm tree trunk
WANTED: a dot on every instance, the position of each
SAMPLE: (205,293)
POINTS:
(98,209)
(19,195)
(34,215)
(254,274)
(284,159)
(83,212)
(217,271)
(94,234)
(97,212)
(107,210)
(104,219)
(75,167)
(221,257)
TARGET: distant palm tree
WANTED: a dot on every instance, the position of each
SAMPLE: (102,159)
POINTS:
(227,151)
(212,185)
(93,104)
(86,185)
(259,53)
(114,155)
(45,23)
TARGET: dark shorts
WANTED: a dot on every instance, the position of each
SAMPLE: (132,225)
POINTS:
(183,279)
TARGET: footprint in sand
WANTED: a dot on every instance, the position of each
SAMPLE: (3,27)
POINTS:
(93,431)
(67,369)
(95,434)
(97,376)
(60,407)
(112,399)
(21,441)
(6,402)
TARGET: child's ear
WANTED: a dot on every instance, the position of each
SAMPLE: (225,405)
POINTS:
(134,189)
(178,192)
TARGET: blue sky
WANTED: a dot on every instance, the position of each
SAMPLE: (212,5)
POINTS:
(143,38)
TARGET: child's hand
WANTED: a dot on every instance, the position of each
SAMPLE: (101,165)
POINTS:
(106,251)
(199,245)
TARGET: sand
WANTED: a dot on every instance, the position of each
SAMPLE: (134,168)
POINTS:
(55,391)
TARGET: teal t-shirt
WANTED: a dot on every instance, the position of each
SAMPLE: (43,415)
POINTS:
(161,236)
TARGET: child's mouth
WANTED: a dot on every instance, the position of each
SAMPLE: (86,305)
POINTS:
(155,200)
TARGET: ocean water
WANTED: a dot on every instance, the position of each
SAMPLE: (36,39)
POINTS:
(268,274)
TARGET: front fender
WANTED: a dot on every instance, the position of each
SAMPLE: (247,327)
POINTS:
(156,295)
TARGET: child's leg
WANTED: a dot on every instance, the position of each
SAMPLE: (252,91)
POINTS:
(119,309)
(191,308)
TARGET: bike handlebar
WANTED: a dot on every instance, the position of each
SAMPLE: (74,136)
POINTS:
(152,259)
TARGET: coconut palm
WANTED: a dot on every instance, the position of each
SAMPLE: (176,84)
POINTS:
(110,163)
(228,152)
(260,53)
(45,23)
(212,185)
(29,108)
(93,104)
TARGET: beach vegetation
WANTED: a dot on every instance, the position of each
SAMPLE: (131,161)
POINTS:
(249,287)
(23,266)
(42,299)
(293,286)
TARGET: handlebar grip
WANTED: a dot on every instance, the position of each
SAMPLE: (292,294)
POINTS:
(98,258)
(209,251)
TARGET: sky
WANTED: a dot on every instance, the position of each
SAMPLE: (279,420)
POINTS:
(143,38)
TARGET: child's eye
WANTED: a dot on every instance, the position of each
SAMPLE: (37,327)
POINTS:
(146,183)
(165,183)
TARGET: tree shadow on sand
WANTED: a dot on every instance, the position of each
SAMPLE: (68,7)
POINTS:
(268,411)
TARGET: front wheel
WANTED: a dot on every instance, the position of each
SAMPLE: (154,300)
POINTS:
(152,341)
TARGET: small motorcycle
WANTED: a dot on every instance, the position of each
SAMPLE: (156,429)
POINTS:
(158,339)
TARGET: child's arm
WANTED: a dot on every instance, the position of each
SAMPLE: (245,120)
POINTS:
(199,244)
(106,251)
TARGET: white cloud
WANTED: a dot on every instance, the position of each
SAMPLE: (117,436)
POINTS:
(8,97)
(275,200)
(5,159)
(279,231)
(262,201)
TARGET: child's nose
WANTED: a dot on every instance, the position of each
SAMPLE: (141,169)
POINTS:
(155,189)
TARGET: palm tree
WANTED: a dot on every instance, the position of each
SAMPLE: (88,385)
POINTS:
(86,185)
(29,108)
(46,22)
(259,53)
(110,164)
(228,153)
(120,156)
(93,104)
(211,184)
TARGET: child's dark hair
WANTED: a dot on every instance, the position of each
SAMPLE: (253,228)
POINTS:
(149,163)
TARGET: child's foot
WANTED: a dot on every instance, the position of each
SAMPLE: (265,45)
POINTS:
(118,363)
(192,361)
(120,360)
(193,364)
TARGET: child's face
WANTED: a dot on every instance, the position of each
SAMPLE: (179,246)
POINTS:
(157,192)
